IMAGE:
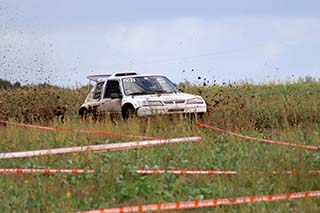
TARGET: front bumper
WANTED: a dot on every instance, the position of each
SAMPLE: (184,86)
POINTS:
(178,109)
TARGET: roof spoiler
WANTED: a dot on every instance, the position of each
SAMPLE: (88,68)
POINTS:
(97,77)
(121,74)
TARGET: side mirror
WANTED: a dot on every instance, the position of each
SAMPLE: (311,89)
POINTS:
(115,95)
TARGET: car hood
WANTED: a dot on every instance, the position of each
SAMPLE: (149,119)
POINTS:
(164,97)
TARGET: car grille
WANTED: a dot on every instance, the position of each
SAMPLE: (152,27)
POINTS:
(174,102)
(180,101)
(168,102)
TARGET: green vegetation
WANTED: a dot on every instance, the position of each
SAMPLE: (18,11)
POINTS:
(289,112)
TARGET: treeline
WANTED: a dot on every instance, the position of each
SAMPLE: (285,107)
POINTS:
(4,84)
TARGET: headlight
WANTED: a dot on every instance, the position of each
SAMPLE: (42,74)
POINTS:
(152,103)
(197,100)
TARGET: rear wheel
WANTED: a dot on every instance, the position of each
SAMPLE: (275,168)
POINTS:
(86,114)
(83,113)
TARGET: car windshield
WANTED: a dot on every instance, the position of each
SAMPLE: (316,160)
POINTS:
(144,85)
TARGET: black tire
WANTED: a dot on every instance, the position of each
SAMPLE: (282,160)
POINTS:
(200,115)
(86,114)
(83,113)
(195,117)
(128,112)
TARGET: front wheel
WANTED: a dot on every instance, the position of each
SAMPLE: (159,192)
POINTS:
(195,117)
(128,112)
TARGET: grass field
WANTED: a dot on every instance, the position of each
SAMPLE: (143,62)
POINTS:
(288,112)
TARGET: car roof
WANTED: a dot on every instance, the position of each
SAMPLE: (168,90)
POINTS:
(98,78)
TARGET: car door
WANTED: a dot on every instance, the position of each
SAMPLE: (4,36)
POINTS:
(112,98)
(95,95)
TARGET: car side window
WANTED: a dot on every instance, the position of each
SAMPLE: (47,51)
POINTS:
(112,89)
(98,90)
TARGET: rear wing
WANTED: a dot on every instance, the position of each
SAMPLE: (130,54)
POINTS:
(97,77)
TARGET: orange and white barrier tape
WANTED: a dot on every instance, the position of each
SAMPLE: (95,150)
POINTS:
(101,147)
(45,128)
(221,172)
(206,203)
(284,143)
(45,171)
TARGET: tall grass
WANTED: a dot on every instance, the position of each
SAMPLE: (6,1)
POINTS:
(289,112)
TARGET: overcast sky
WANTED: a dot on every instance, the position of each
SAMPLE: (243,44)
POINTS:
(62,42)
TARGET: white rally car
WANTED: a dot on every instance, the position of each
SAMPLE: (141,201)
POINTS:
(130,94)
